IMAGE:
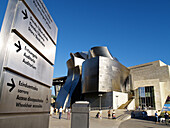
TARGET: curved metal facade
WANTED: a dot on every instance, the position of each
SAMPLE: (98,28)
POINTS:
(100,73)
(103,73)
(73,78)
(100,51)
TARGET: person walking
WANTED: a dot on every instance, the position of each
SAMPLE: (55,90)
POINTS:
(166,115)
(108,114)
(113,114)
(68,113)
(156,117)
(100,114)
(60,112)
(55,110)
(143,114)
(51,110)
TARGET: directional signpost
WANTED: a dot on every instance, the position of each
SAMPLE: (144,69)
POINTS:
(23,95)
(41,12)
(24,59)
(27,54)
(33,32)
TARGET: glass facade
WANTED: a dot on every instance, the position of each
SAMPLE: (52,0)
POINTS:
(146,97)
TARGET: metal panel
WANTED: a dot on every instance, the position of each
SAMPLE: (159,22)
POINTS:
(102,74)
(100,51)
(41,12)
(26,61)
(74,83)
(90,72)
(26,25)
(22,95)
(64,91)
(109,75)
(4,34)
(22,58)
(69,87)
(71,81)
(76,60)
(25,121)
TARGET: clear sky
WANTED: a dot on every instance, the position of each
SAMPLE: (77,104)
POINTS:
(135,31)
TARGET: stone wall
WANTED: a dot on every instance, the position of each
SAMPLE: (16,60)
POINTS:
(155,74)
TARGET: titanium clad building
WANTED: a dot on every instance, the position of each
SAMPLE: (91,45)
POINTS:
(72,82)
(106,83)
(101,75)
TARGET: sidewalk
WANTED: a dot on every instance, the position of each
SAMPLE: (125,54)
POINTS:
(139,123)
(107,123)
(94,122)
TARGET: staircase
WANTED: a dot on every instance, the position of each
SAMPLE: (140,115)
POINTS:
(123,116)
(124,106)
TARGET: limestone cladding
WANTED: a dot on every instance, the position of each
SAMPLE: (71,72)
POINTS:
(119,98)
(155,74)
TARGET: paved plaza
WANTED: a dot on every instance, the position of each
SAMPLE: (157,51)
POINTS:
(94,122)
(105,122)
(137,123)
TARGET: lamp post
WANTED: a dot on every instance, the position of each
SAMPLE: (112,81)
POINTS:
(100,102)
(117,101)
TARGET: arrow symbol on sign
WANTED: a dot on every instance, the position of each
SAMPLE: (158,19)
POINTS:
(25,14)
(12,85)
(46,99)
(18,46)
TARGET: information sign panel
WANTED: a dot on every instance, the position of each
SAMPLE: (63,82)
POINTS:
(41,12)
(25,24)
(22,95)
(23,59)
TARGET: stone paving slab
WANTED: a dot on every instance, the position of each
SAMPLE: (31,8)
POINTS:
(138,123)
(55,122)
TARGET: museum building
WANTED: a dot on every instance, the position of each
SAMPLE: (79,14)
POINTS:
(151,84)
(98,77)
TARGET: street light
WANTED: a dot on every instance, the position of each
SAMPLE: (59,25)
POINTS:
(117,101)
(100,103)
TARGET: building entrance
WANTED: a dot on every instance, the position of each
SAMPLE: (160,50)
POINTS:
(146,97)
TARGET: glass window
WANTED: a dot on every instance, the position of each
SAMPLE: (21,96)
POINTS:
(142,91)
(146,97)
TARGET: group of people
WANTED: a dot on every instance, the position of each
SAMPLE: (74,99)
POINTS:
(99,114)
(166,116)
(113,114)
(60,110)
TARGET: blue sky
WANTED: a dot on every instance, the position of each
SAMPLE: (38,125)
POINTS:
(135,31)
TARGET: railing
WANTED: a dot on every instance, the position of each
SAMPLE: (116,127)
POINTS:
(97,108)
